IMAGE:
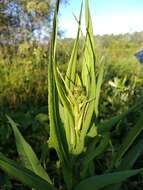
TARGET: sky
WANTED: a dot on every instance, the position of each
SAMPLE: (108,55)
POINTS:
(108,16)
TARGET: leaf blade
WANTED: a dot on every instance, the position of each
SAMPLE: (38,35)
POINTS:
(26,153)
(24,175)
(101,181)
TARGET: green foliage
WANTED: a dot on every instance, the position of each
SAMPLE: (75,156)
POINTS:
(27,155)
(99,182)
(83,129)
(24,79)
(23,174)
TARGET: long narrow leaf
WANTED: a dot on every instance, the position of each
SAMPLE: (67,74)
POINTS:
(131,157)
(94,151)
(55,140)
(129,160)
(71,70)
(56,130)
(128,141)
(108,124)
(98,87)
(26,153)
(101,181)
(88,66)
(24,175)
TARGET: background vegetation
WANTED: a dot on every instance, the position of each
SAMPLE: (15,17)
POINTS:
(23,85)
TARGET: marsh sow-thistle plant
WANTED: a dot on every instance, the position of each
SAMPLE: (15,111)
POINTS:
(76,132)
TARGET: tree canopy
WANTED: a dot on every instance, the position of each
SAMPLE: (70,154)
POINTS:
(22,20)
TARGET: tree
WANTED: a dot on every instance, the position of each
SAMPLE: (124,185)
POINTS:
(22,20)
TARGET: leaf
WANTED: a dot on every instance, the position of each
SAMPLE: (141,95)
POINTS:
(129,160)
(108,124)
(24,175)
(71,70)
(102,146)
(57,136)
(88,78)
(66,104)
(101,181)
(42,118)
(69,83)
(93,131)
(87,122)
(128,141)
(27,155)
(55,139)
(94,151)
(98,87)
(88,65)
(132,155)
